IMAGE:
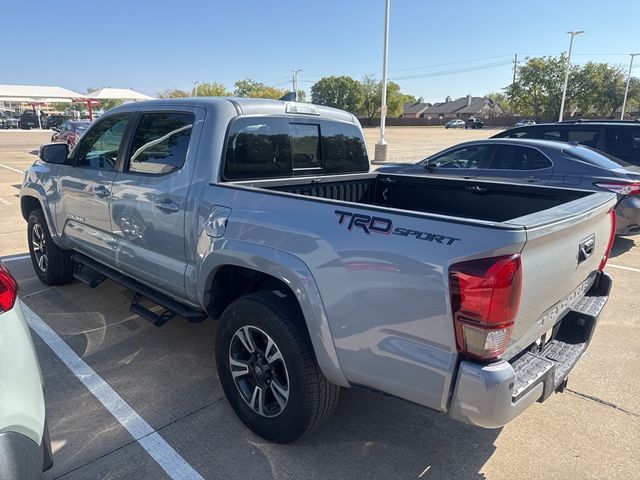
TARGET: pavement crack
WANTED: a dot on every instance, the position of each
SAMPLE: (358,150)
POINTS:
(601,402)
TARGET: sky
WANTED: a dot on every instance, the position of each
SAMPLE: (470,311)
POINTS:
(436,48)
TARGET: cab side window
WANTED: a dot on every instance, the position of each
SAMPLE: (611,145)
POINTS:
(99,147)
(623,142)
(161,143)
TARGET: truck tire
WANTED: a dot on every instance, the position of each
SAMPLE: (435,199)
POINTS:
(52,264)
(268,370)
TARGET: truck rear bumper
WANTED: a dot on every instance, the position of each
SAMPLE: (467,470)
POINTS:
(491,395)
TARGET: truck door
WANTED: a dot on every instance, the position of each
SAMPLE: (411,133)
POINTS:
(85,189)
(150,197)
(518,164)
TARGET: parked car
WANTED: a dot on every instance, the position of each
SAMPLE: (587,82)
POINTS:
(7,120)
(28,120)
(524,123)
(25,449)
(473,122)
(69,132)
(456,123)
(542,163)
(472,299)
(618,138)
(54,121)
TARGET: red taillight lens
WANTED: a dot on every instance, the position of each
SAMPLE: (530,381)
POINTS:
(612,238)
(621,188)
(485,296)
(8,289)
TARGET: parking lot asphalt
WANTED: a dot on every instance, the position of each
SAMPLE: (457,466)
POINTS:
(167,376)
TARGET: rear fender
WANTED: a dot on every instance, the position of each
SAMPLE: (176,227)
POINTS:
(294,273)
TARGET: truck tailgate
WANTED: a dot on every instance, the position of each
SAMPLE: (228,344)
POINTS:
(561,256)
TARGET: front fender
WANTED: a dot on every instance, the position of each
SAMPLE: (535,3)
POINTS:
(37,192)
(294,273)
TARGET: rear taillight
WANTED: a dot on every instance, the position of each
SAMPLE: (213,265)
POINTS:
(621,188)
(612,237)
(8,289)
(485,296)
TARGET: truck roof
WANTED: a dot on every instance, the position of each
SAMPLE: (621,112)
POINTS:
(244,106)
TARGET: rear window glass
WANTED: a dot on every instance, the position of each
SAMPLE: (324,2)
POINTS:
(512,157)
(595,157)
(273,147)
(588,138)
(623,141)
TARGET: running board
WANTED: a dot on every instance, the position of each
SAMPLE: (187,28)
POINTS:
(90,270)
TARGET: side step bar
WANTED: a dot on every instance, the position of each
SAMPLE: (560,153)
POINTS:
(94,273)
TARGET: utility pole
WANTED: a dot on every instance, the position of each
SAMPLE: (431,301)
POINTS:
(194,90)
(294,81)
(515,66)
(626,90)
(566,74)
(381,152)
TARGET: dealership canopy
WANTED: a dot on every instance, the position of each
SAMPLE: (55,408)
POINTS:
(118,94)
(38,94)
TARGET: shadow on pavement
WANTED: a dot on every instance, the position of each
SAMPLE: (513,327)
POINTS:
(622,245)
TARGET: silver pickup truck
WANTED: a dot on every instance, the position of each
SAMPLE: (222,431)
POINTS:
(471,298)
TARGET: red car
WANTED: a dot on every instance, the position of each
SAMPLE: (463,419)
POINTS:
(69,132)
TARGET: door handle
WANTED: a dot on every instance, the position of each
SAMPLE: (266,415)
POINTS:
(532,179)
(166,205)
(101,191)
(468,177)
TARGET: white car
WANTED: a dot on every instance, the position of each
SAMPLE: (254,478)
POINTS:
(524,123)
(457,123)
(25,448)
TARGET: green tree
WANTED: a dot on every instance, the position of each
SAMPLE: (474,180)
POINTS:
(339,92)
(501,99)
(538,87)
(173,93)
(212,89)
(252,89)
(372,98)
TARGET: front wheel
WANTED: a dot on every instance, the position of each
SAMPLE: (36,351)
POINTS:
(52,264)
(268,370)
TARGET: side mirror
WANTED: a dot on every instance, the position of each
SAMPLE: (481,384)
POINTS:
(54,153)
(428,165)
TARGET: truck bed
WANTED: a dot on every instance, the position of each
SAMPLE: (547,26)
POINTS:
(470,199)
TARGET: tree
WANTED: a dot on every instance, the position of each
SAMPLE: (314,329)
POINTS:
(342,92)
(252,89)
(501,99)
(173,93)
(212,89)
(593,89)
(372,98)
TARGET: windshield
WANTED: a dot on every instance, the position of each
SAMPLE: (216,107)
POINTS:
(595,157)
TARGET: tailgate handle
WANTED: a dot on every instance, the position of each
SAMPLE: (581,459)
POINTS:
(587,246)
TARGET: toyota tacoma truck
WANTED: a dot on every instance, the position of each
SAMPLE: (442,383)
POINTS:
(467,297)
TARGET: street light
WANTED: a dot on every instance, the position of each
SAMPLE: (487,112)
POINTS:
(626,90)
(381,152)
(566,73)
(194,90)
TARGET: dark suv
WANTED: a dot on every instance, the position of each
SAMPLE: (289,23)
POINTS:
(28,120)
(620,139)
(473,122)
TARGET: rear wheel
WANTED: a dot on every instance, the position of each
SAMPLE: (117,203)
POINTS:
(52,264)
(268,370)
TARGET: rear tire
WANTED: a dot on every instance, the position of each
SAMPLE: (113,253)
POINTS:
(52,264)
(287,395)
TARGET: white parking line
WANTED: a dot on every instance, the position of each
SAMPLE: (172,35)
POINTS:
(11,168)
(624,268)
(171,462)
(4,202)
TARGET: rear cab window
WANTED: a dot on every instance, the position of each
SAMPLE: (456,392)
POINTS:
(623,142)
(277,147)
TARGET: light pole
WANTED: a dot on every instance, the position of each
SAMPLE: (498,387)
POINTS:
(566,73)
(194,90)
(295,80)
(626,90)
(381,152)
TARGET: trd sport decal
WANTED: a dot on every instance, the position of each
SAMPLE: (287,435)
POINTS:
(384,226)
